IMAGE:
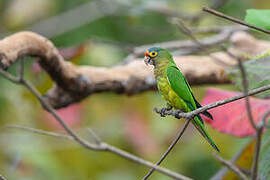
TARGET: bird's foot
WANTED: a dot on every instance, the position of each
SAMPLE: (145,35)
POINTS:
(176,113)
(163,111)
(169,107)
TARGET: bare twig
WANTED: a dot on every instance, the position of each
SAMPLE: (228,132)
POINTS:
(201,46)
(254,172)
(41,132)
(231,166)
(179,135)
(211,29)
(9,76)
(101,146)
(238,21)
(245,91)
(178,114)
(223,35)
(106,147)
(258,130)
(94,135)
(257,127)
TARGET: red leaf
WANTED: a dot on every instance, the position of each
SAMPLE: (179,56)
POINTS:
(232,118)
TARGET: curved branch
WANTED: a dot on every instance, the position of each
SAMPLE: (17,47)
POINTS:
(102,146)
(99,146)
(73,83)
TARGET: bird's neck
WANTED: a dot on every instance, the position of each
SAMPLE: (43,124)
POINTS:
(160,70)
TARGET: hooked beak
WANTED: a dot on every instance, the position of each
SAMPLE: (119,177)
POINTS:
(147,59)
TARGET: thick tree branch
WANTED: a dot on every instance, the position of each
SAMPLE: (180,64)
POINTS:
(73,83)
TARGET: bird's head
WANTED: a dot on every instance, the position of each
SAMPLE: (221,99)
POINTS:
(156,55)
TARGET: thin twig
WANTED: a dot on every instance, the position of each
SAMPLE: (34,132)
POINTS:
(106,147)
(238,21)
(81,141)
(254,172)
(73,136)
(245,91)
(9,76)
(40,132)
(231,166)
(94,135)
(182,27)
(258,128)
(223,35)
(179,135)
(178,114)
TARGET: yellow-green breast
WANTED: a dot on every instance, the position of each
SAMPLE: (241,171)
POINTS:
(170,95)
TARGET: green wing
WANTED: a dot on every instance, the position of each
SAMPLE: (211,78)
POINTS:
(182,88)
(180,85)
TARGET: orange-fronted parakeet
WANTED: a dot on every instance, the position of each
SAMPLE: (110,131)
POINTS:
(174,87)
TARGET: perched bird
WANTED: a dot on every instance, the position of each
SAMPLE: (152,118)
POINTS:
(174,87)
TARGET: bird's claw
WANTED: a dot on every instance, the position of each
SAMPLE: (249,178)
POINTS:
(162,112)
(169,107)
(177,113)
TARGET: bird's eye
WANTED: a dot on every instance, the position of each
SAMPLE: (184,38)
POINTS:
(153,54)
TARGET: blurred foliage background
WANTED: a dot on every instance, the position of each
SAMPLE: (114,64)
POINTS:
(105,32)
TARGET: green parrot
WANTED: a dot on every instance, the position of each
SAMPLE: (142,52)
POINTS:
(174,87)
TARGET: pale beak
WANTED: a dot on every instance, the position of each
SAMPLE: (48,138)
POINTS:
(147,58)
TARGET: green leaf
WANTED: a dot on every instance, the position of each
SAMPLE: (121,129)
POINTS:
(258,73)
(258,17)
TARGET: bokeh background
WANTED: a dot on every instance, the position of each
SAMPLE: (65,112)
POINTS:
(103,33)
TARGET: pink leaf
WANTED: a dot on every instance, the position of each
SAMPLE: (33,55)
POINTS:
(232,118)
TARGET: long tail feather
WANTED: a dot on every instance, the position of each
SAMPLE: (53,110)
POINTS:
(199,126)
